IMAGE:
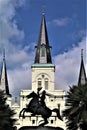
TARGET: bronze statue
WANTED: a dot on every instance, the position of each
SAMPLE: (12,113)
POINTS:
(37,106)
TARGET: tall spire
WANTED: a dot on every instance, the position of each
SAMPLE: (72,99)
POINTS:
(43,51)
(82,75)
(4,80)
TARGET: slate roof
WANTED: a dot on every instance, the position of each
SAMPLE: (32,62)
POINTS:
(4,72)
(82,74)
(43,41)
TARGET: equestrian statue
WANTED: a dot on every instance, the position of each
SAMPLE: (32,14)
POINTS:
(37,106)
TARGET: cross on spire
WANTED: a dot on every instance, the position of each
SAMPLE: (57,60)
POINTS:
(43,10)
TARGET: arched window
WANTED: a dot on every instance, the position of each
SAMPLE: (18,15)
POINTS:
(39,83)
(43,51)
(46,83)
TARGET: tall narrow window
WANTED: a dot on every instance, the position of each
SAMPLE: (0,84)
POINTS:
(51,121)
(33,121)
(43,51)
(39,83)
(46,84)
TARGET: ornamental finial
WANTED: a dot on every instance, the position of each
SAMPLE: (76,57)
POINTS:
(43,10)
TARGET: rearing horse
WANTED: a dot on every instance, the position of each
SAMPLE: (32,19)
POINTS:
(36,108)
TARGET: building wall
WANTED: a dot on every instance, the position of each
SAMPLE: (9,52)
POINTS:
(54,98)
(43,73)
(51,102)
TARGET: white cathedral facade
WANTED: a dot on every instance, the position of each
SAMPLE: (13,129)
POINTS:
(43,71)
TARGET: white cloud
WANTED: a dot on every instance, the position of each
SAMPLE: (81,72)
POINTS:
(68,65)
(10,29)
(20,75)
(16,57)
(19,57)
(67,70)
(8,26)
(60,22)
(19,78)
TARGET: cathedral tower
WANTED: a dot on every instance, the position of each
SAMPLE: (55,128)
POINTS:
(43,69)
(82,75)
(3,79)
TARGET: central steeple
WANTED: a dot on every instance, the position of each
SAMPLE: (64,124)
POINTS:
(43,69)
(43,50)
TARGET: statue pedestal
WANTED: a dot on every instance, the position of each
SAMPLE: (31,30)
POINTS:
(40,128)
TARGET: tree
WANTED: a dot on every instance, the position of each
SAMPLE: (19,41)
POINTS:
(76,108)
(6,114)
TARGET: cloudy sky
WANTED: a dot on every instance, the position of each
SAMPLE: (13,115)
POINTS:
(19,30)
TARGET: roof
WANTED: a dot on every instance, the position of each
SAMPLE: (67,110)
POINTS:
(43,43)
(4,78)
(82,74)
(41,65)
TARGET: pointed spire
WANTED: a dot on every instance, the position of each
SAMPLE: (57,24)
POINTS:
(43,51)
(43,36)
(82,75)
(4,80)
(81,54)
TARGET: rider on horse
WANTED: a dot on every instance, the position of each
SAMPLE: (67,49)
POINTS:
(38,103)
(42,97)
(37,106)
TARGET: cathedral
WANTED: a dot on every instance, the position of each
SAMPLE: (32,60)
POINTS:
(43,71)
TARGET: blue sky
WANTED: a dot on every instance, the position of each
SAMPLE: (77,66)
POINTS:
(19,30)
(66,22)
